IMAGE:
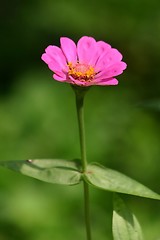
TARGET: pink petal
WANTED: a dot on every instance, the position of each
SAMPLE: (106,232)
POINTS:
(69,49)
(56,54)
(52,64)
(60,74)
(58,78)
(79,82)
(112,81)
(74,81)
(103,47)
(87,50)
(112,71)
(109,58)
(46,58)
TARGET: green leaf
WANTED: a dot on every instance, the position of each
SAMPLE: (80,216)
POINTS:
(48,170)
(112,180)
(125,226)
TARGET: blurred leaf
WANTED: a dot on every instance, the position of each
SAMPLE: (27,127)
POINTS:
(48,170)
(153,104)
(112,180)
(124,225)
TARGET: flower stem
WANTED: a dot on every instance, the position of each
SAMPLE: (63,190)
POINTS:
(87,210)
(80,114)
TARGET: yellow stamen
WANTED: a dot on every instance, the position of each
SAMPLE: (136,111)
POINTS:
(81,72)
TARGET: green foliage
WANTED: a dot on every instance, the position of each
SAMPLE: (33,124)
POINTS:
(125,226)
(111,180)
(38,122)
(48,170)
(69,173)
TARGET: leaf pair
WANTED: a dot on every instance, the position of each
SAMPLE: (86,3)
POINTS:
(66,172)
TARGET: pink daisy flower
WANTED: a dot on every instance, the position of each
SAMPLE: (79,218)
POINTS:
(90,62)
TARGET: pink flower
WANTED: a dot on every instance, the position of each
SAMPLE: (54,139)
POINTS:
(85,64)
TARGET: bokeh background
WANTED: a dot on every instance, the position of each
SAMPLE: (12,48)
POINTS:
(38,118)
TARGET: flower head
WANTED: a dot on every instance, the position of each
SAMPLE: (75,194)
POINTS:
(90,62)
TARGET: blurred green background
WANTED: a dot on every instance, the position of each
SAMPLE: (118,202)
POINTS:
(38,118)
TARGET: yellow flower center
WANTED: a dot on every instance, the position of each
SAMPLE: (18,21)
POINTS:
(81,72)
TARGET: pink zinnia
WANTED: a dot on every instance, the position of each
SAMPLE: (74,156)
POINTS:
(88,63)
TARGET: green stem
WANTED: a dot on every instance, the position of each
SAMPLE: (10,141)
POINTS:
(80,114)
(87,210)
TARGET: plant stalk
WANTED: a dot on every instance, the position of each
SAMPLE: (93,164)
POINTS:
(80,115)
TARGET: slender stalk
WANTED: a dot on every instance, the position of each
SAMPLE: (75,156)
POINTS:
(80,115)
(87,210)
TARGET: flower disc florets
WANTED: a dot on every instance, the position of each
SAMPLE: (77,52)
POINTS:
(85,64)
(81,72)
